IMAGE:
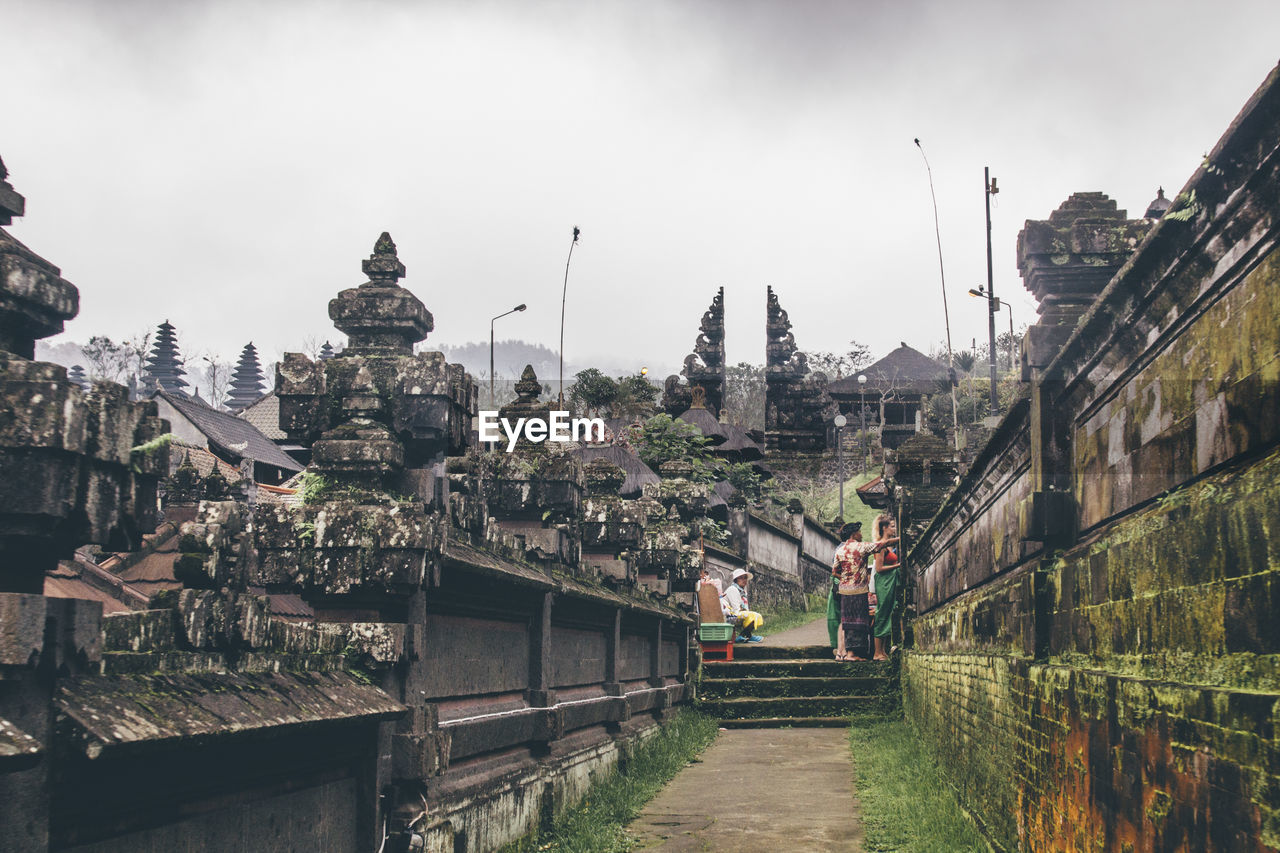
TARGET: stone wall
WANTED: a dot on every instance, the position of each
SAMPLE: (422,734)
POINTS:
(1094,658)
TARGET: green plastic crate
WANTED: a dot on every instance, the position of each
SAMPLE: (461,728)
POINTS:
(715,632)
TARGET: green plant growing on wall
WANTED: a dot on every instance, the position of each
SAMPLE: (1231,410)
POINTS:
(148,448)
(314,488)
(663,439)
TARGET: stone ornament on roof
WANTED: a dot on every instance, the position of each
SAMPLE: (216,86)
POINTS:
(528,388)
(380,317)
(68,454)
(1067,260)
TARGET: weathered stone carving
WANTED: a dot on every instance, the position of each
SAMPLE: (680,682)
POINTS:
(797,405)
(79,466)
(381,421)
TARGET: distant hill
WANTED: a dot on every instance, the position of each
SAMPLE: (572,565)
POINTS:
(510,357)
(67,354)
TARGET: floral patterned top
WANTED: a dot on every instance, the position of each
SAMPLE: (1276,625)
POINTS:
(850,566)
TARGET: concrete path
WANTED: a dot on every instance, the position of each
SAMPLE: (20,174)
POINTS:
(759,790)
(812,634)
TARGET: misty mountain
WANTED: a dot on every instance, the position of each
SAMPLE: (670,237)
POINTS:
(511,356)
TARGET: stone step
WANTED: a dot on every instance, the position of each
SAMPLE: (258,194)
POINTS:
(799,706)
(791,667)
(726,688)
(757,651)
(788,723)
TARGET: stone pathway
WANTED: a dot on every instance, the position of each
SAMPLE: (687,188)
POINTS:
(812,634)
(759,790)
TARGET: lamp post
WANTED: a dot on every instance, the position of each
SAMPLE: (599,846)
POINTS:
(946,312)
(493,394)
(563,296)
(862,412)
(990,189)
(1000,303)
(840,421)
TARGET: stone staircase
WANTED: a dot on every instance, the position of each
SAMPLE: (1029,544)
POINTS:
(776,686)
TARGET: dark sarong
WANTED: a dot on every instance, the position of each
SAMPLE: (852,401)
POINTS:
(887,598)
(855,618)
(833,614)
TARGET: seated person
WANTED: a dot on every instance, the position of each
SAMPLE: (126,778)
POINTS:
(737,610)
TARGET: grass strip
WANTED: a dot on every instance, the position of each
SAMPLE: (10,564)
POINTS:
(906,805)
(597,824)
(782,620)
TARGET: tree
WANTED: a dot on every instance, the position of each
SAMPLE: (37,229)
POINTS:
(592,391)
(744,395)
(840,365)
(965,360)
(107,359)
(663,438)
(216,379)
(635,396)
(744,477)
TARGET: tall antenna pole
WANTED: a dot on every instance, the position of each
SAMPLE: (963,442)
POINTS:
(993,304)
(563,296)
(946,314)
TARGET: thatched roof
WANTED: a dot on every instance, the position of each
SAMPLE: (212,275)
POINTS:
(706,423)
(738,440)
(903,369)
(637,472)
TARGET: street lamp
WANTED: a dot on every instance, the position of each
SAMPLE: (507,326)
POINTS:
(840,421)
(577,232)
(1000,303)
(862,412)
(493,394)
(989,189)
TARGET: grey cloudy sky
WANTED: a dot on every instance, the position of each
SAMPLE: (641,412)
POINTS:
(228,165)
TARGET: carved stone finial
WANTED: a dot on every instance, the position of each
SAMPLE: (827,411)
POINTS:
(698,397)
(11,202)
(34,298)
(380,317)
(384,264)
(528,388)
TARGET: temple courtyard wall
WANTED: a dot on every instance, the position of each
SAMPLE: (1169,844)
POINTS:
(1097,658)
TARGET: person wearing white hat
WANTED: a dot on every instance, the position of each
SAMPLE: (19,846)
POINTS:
(737,610)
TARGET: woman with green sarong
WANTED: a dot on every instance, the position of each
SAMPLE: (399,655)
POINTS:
(886,588)
(833,616)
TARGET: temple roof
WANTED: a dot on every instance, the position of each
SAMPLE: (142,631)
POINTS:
(901,368)
(234,436)
(638,473)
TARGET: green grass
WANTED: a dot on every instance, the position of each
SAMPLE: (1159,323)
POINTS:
(824,503)
(783,620)
(596,825)
(906,806)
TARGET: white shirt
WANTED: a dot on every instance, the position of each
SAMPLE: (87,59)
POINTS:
(734,601)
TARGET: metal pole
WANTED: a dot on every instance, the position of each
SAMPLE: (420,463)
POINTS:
(946,314)
(563,296)
(862,412)
(1010,307)
(840,468)
(988,191)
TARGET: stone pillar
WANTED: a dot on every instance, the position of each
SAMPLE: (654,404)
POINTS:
(540,693)
(655,655)
(76,466)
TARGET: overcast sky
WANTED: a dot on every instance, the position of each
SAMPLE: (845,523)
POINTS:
(228,165)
